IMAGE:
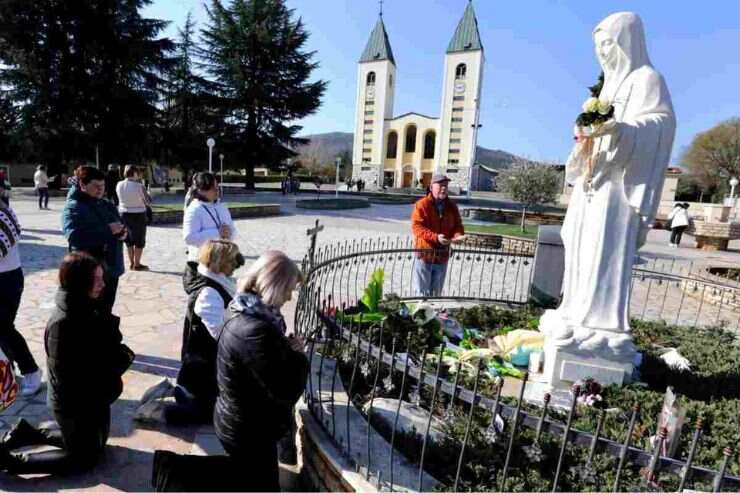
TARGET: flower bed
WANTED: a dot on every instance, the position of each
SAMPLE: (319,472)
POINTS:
(709,390)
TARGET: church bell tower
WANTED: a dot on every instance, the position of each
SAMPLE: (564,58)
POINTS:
(376,73)
(461,98)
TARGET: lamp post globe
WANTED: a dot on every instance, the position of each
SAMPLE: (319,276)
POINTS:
(733,183)
(210,143)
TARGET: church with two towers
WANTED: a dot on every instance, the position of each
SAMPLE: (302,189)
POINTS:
(404,151)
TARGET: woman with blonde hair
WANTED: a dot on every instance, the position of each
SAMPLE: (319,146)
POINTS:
(210,290)
(261,372)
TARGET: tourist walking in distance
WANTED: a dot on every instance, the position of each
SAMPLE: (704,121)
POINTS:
(85,361)
(132,203)
(41,184)
(205,219)
(210,291)
(435,224)
(261,373)
(93,225)
(11,288)
(679,218)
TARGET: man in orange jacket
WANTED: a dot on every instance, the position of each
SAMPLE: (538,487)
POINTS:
(435,223)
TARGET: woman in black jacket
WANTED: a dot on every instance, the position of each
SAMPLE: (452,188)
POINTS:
(261,373)
(85,361)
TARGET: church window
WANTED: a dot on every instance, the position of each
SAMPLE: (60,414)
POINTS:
(369,112)
(392,145)
(460,71)
(454,141)
(453,161)
(368,122)
(410,139)
(456,119)
(369,103)
(451,170)
(457,109)
(367,150)
(367,141)
(458,98)
(454,151)
(429,139)
(456,130)
(367,131)
(371,79)
(390,80)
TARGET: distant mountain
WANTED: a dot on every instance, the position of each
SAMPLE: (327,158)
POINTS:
(324,148)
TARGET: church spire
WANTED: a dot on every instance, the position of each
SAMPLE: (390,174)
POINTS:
(467,37)
(378,47)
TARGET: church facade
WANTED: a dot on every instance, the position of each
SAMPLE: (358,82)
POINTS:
(404,151)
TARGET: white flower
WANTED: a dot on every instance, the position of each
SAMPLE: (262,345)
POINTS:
(591,105)
(603,106)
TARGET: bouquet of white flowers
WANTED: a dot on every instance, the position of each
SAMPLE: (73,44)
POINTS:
(596,112)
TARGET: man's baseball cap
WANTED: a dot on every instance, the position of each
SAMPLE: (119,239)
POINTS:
(439,178)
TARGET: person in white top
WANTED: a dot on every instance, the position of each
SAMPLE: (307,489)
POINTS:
(205,219)
(210,291)
(679,218)
(41,184)
(132,204)
(11,288)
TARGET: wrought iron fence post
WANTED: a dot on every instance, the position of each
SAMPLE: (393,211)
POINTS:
(467,427)
(514,423)
(566,432)
(431,414)
(655,459)
(717,484)
(626,446)
(686,471)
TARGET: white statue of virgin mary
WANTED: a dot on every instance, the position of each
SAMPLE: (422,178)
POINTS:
(608,218)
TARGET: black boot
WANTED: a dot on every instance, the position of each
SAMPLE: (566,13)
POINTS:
(22,434)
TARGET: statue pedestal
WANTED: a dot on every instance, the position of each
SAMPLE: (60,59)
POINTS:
(577,353)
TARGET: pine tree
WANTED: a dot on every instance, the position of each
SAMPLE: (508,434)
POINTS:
(188,107)
(85,75)
(254,51)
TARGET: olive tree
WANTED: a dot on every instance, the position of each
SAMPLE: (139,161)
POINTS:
(531,184)
(714,156)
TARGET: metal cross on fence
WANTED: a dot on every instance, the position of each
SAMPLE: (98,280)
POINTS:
(313,233)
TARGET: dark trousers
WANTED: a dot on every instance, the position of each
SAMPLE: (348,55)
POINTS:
(79,443)
(677,233)
(108,296)
(255,465)
(43,197)
(11,341)
(188,410)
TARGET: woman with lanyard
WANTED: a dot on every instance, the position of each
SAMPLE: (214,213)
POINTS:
(205,219)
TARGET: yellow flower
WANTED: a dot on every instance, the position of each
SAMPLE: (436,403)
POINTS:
(591,105)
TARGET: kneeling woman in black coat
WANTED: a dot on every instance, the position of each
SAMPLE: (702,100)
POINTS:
(85,360)
(261,372)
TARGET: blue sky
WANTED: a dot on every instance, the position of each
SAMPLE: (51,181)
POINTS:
(539,60)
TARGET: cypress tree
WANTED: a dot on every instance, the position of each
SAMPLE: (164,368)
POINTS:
(254,52)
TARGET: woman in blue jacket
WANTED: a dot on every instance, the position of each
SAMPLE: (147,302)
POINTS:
(93,225)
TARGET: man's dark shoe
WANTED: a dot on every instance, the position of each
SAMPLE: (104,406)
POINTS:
(22,434)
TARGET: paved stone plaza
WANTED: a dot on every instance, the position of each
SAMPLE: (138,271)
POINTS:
(151,305)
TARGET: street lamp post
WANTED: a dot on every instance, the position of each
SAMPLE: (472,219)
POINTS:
(210,143)
(221,156)
(336,181)
(733,183)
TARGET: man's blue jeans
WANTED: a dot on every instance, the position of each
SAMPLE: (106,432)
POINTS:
(428,278)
